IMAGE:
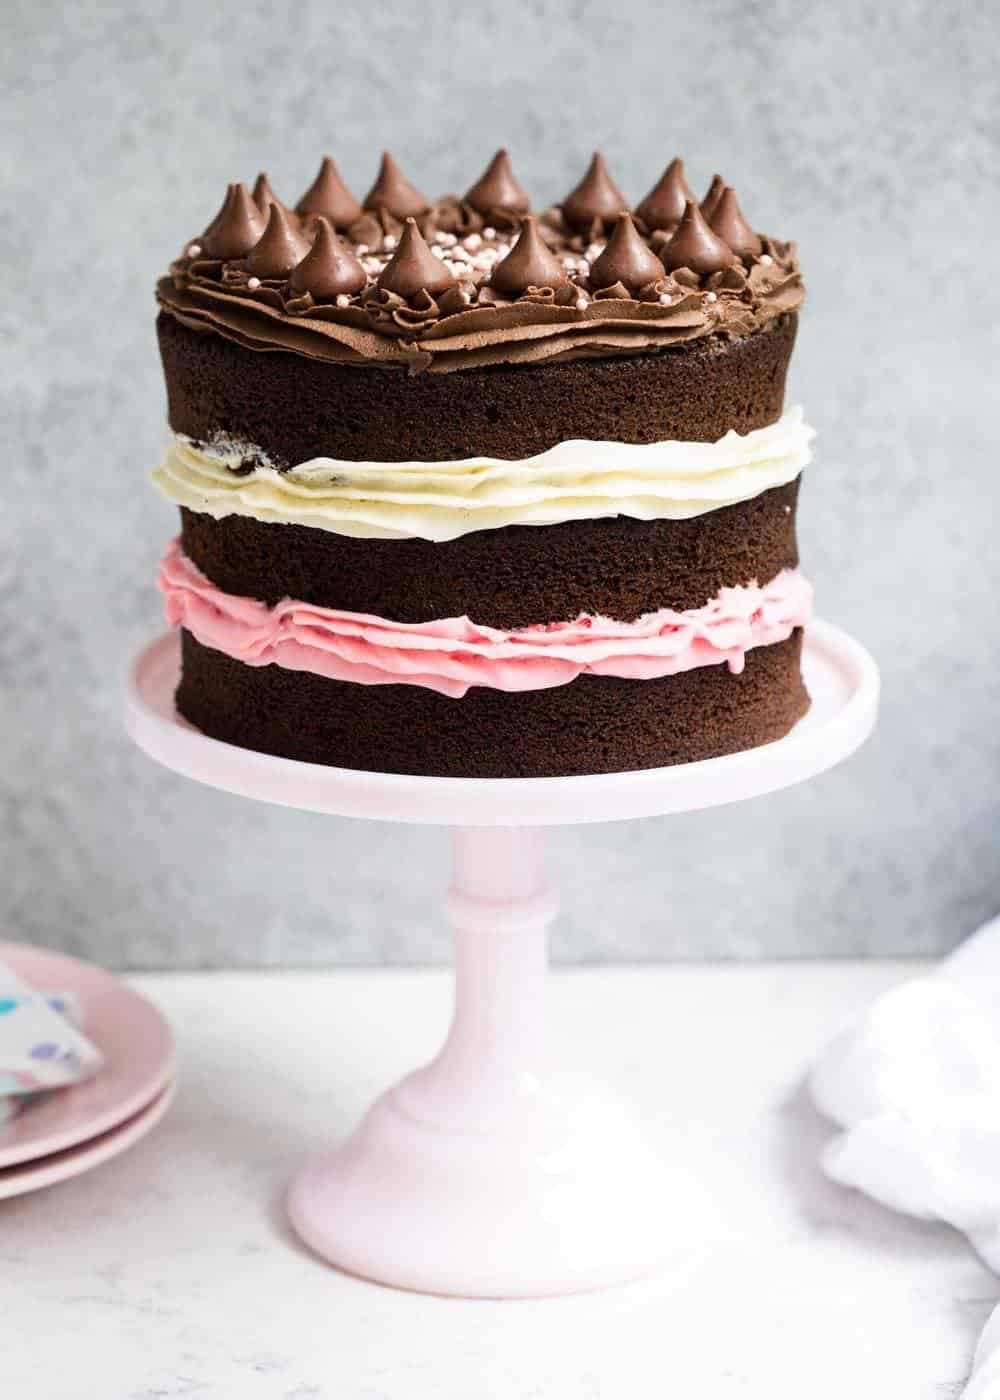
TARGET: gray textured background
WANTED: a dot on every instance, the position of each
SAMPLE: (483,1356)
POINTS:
(869,132)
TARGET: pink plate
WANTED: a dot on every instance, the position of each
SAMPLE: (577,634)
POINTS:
(132,1035)
(60,1166)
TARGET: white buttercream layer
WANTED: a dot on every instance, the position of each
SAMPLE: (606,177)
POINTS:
(578,480)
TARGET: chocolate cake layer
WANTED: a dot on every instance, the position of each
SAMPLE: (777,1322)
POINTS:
(512,577)
(595,724)
(296,408)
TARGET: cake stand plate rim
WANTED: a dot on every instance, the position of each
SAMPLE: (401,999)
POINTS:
(840,673)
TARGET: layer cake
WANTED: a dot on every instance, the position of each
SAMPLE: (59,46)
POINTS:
(470,491)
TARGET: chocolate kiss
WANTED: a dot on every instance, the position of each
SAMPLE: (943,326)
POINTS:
(728,222)
(236,228)
(595,197)
(528,264)
(328,270)
(627,259)
(263,195)
(711,201)
(280,248)
(695,246)
(663,207)
(498,188)
(393,192)
(413,267)
(329,197)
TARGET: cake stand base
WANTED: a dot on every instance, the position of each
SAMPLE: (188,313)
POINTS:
(490,1172)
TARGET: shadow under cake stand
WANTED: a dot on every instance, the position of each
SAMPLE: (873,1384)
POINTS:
(490,1172)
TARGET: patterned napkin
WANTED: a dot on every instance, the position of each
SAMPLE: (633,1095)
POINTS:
(40,1045)
(914,1085)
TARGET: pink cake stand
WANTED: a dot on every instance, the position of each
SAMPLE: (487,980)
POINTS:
(490,1172)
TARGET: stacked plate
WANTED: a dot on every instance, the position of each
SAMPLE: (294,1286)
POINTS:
(70,1130)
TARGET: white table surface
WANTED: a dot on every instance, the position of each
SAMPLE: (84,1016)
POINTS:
(169,1272)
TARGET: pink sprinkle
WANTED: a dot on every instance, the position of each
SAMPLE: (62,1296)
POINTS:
(253,283)
(489,233)
(194,249)
(664,299)
(581,303)
(343,300)
(473,242)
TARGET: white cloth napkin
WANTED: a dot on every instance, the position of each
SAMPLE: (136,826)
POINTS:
(915,1086)
(40,1045)
(984,1383)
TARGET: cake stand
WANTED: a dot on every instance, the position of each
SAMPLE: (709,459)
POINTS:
(491,1172)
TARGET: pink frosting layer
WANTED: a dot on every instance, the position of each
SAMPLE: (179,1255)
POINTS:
(452,654)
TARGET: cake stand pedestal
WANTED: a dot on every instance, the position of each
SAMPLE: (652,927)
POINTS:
(489,1172)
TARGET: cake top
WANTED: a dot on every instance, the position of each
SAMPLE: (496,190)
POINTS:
(399,280)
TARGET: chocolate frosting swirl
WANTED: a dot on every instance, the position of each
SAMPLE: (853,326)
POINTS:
(379,295)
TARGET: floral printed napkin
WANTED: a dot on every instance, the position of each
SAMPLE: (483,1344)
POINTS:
(40,1045)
